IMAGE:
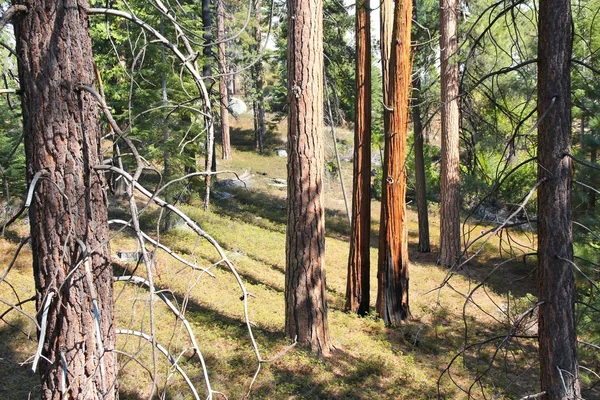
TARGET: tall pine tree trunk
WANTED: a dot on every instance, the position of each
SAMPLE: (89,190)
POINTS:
(359,261)
(209,164)
(224,97)
(260,129)
(387,23)
(69,210)
(168,217)
(559,371)
(450,186)
(420,185)
(393,279)
(305,295)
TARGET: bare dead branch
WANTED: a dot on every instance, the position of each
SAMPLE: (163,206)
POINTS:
(167,355)
(164,248)
(42,338)
(141,281)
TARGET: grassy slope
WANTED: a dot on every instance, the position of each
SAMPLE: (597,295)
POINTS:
(371,361)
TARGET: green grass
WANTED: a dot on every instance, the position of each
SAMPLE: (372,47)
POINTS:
(371,361)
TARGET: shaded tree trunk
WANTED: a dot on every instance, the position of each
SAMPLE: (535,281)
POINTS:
(69,208)
(393,278)
(591,192)
(168,218)
(260,129)
(224,97)
(559,370)
(450,185)
(359,261)
(421,188)
(305,300)
(209,162)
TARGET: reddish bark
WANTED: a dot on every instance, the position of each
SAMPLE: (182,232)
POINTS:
(359,261)
(393,277)
(224,105)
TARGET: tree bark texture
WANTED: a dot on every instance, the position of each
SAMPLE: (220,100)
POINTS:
(393,278)
(305,300)
(224,97)
(359,261)
(450,185)
(559,371)
(421,187)
(387,24)
(62,142)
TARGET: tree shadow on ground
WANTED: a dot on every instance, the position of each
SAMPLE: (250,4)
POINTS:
(244,140)
(248,204)
(17,380)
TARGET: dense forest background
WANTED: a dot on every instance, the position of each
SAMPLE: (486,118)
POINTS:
(199,126)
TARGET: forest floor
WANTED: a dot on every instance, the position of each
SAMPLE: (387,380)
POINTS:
(460,342)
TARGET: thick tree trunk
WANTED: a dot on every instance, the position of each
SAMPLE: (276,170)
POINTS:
(392,293)
(421,188)
(224,106)
(450,186)
(69,208)
(305,300)
(559,371)
(359,261)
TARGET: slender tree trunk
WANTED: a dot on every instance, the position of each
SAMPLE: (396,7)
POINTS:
(392,293)
(592,192)
(450,186)
(207,72)
(420,183)
(69,210)
(305,300)
(168,217)
(359,261)
(421,188)
(559,371)
(224,107)
(259,103)
(387,21)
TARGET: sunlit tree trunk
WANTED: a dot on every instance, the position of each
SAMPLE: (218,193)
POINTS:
(387,20)
(224,97)
(305,301)
(393,279)
(359,261)
(450,173)
(68,215)
(559,370)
